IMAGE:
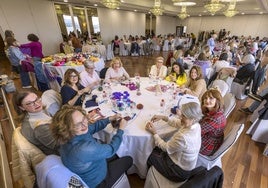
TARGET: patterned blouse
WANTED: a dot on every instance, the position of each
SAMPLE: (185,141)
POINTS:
(212,132)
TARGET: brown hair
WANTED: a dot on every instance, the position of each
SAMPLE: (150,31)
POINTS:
(215,94)
(17,99)
(67,75)
(62,126)
(199,72)
(114,60)
(202,57)
(10,41)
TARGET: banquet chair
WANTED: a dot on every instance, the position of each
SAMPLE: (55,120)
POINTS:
(229,141)
(201,177)
(221,85)
(25,156)
(51,99)
(239,89)
(110,52)
(229,104)
(122,49)
(166,46)
(51,173)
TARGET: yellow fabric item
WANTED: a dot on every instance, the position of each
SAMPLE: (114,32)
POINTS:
(25,156)
(180,81)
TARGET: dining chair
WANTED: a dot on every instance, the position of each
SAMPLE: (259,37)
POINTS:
(229,141)
(229,104)
(52,100)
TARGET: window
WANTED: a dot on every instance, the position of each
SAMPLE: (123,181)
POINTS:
(96,24)
(69,25)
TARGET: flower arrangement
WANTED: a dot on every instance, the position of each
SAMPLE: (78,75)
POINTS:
(70,59)
(132,86)
(121,100)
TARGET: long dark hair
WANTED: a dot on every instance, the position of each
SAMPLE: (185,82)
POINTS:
(182,71)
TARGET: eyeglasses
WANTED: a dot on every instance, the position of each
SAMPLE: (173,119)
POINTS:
(73,76)
(83,123)
(32,103)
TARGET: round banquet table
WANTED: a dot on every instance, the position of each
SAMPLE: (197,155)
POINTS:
(137,142)
(58,71)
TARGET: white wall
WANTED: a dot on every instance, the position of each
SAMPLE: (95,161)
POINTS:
(32,16)
(254,25)
(165,25)
(116,22)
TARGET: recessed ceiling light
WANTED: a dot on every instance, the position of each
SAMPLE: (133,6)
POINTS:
(228,1)
(242,13)
(200,15)
(95,5)
(135,10)
(261,12)
(256,8)
(66,1)
(118,8)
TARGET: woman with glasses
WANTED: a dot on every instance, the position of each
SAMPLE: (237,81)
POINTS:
(34,121)
(89,77)
(72,91)
(96,163)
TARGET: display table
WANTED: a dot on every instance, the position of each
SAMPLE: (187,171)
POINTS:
(98,48)
(54,72)
(137,142)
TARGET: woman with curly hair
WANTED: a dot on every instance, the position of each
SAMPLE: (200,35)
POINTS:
(116,72)
(213,122)
(96,163)
(177,75)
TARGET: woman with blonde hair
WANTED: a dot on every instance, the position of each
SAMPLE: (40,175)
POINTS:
(213,122)
(159,70)
(196,84)
(116,71)
(96,163)
(72,91)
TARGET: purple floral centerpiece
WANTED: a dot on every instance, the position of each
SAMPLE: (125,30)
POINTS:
(121,100)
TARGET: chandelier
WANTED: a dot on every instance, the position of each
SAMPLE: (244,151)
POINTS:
(183,14)
(157,10)
(112,4)
(230,12)
(214,6)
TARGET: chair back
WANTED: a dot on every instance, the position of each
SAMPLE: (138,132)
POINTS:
(221,85)
(52,100)
(25,156)
(228,142)
(229,104)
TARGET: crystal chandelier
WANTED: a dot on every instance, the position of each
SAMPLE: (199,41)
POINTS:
(183,14)
(230,12)
(157,10)
(214,6)
(112,4)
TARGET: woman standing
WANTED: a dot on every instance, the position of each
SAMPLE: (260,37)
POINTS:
(94,162)
(16,57)
(72,91)
(178,156)
(196,85)
(177,75)
(116,71)
(212,123)
(34,121)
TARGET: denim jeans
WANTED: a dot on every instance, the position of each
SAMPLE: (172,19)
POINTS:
(24,77)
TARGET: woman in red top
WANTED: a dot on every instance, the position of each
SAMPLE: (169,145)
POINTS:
(212,123)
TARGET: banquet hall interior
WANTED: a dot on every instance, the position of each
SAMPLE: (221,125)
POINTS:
(243,165)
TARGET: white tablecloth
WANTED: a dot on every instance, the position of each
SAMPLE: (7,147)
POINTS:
(58,71)
(137,142)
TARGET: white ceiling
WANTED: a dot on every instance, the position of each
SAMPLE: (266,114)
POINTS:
(243,6)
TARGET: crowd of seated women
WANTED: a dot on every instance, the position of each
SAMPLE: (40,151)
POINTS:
(200,128)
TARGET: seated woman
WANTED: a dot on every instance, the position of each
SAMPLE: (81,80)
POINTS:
(196,84)
(159,70)
(203,62)
(116,71)
(89,77)
(178,156)
(212,123)
(72,91)
(80,151)
(34,121)
(177,75)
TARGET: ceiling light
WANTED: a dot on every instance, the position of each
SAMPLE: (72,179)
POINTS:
(157,10)
(112,4)
(184,3)
(230,12)
(214,6)
(183,14)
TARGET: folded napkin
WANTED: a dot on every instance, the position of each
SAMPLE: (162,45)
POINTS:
(91,102)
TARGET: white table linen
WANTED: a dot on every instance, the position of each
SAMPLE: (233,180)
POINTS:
(137,142)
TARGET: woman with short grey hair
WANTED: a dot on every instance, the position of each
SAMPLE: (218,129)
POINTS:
(89,77)
(177,157)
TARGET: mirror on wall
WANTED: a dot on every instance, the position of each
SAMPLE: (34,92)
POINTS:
(83,21)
